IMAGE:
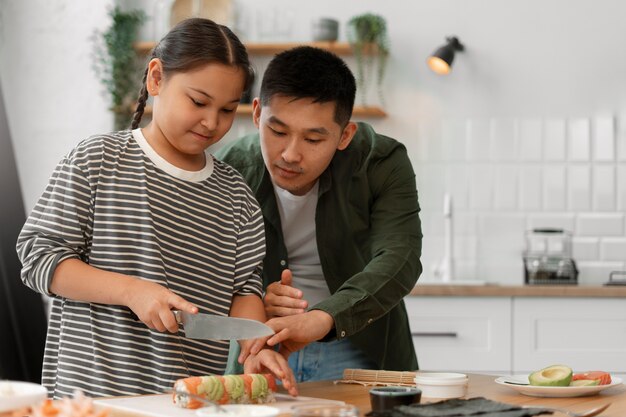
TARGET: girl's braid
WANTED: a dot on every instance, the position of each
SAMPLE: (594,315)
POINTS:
(141,102)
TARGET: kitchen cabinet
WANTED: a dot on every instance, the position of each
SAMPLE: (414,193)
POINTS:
(508,330)
(461,334)
(268,49)
(584,333)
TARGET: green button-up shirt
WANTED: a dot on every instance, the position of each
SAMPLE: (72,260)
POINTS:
(369,239)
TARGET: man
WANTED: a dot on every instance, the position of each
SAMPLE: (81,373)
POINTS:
(342,228)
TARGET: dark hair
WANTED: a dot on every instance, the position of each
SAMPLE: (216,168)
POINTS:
(307,72)
(190,44)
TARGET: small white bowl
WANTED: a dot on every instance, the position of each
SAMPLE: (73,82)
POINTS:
(239,410)
(441,384)
(16,394)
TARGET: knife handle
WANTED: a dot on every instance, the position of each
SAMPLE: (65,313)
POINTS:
(178,315)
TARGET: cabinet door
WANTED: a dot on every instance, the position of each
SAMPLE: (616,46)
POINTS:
(583,333)
(461,334)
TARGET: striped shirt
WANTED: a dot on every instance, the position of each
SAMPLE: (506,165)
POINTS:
(114,203)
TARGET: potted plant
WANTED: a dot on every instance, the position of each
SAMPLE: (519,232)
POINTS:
(367,34)
(116,62)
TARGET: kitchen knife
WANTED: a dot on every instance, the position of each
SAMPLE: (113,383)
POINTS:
(209,326)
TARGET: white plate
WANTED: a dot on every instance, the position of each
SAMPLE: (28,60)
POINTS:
(16,394)
(536,391)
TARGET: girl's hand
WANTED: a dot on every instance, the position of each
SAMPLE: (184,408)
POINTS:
(268,360)
(153,304)
(250,346)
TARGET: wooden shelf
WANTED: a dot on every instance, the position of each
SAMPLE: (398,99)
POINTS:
(256,48)
(272,48)
(372,112)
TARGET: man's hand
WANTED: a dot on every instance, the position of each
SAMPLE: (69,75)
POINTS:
(295,332)
(281,299)
(153,304)
(268,360)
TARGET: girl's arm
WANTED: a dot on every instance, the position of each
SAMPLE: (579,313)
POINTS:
(151,302)
(248,307)
(251,307)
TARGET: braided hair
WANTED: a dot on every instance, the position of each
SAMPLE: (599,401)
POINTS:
(190,44)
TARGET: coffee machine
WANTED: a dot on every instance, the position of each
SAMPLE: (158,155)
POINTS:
(548,258)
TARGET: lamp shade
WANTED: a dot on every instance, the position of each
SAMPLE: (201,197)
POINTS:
(441,60)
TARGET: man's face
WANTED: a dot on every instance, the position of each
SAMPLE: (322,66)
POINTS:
(298,140)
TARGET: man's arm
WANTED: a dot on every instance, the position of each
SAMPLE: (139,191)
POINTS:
(395,243)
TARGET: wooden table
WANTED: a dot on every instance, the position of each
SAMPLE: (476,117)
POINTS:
(479,386)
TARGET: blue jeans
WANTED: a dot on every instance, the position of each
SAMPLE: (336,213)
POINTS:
(319,361)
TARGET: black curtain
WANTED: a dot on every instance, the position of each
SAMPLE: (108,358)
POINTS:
(22,315)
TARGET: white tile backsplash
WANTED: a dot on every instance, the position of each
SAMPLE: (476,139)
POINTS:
(621,138)
(604,139)
(465,223)
(579,146)
(466,248)
(554,187)
(600,224)
(504,140)
(453,139)
(506,185)
(604,188)
(478,139)
(457,184)
(531,189)
(466,270)
(481,186)
(621,187)
(497,225)
(565,221)
(554,140)
(613,249)
(430,178)
(530,139)
(508,176)
(586,248)
(596,273)
(579,187)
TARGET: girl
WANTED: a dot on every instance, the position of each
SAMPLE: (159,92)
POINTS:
(139,222)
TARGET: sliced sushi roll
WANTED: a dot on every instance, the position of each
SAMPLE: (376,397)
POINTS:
(227,389)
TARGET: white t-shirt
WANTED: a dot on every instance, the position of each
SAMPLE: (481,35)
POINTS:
(297,217)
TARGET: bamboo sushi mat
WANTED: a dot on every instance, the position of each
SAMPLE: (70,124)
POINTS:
(374,377)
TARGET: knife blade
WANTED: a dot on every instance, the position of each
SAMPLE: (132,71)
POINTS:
(209,326)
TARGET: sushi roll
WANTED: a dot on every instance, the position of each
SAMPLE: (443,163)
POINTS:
(227,389)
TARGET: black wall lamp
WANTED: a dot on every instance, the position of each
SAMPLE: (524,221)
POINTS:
(441,60)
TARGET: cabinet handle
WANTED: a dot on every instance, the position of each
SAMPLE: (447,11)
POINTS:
(434,334)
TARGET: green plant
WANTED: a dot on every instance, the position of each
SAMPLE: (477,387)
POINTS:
(367,34)
(116,62)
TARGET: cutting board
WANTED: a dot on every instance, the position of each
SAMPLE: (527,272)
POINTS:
(162,405)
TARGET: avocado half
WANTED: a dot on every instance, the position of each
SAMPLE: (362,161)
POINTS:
(552,376)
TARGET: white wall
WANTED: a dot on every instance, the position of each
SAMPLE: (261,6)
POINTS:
(529,129)
(51,95)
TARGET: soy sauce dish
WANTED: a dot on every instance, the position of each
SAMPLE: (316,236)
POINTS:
(385,398)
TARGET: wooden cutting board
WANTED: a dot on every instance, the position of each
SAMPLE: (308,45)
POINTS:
(162,405)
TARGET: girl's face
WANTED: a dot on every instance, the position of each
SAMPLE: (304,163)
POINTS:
(192,110)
